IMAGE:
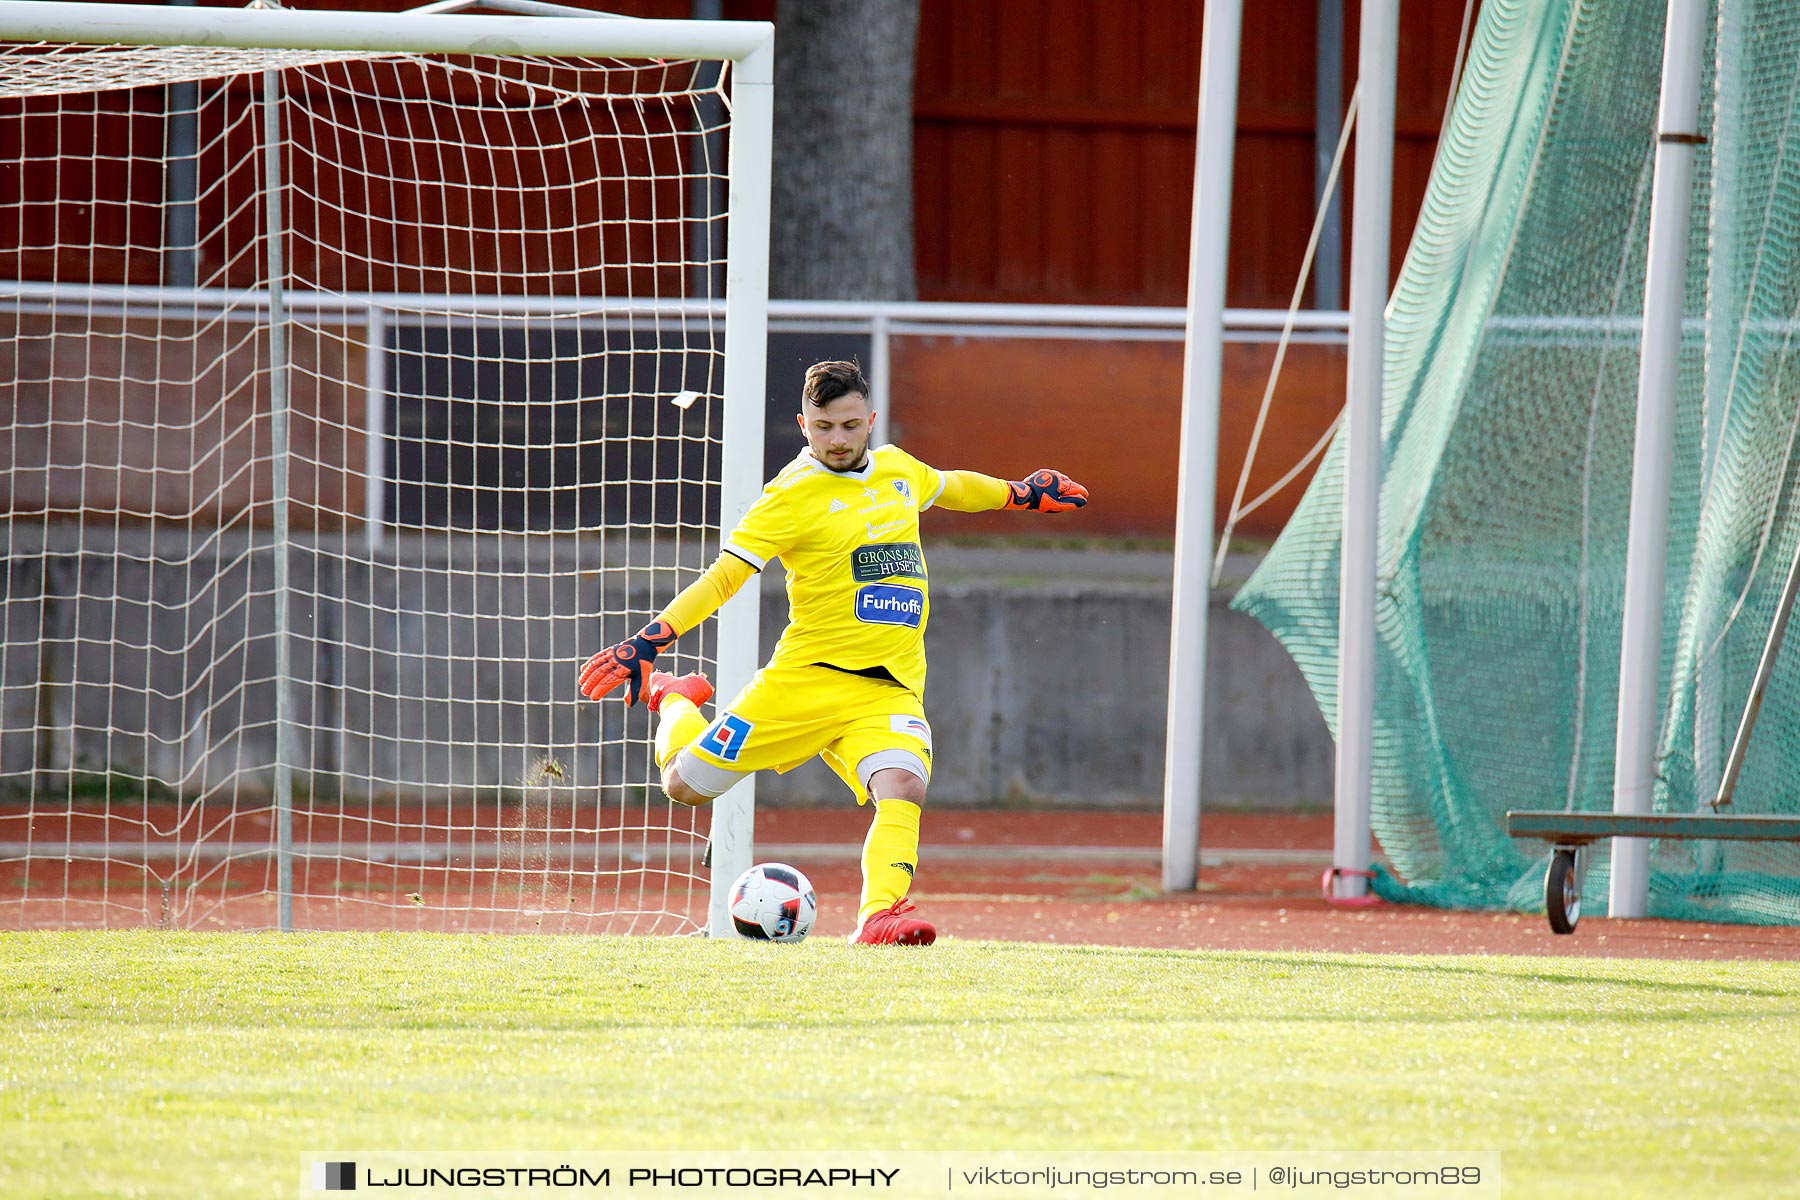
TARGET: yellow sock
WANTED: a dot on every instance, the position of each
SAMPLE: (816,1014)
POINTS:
(890,853)
(682,722)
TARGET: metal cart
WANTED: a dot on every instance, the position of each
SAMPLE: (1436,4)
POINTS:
(1572,832)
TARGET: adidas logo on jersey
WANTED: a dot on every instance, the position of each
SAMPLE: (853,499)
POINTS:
(837,506)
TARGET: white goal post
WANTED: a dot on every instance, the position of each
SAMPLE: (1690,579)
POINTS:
(363,373)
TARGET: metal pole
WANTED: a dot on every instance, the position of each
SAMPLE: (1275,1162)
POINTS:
(181,227)
(1646,555)
(1724,310)
(706,191)
(746,355)
(273,233)
(404,33)
(1328,126)
(1765,667)
(1208,244)
(1371,223)
(881,430)
(375,427)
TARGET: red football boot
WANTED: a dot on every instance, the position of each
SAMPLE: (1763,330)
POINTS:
(661,684)
(892,927)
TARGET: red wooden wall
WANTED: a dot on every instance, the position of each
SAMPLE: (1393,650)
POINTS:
(1053,153)
(1054,145)
(1053,162)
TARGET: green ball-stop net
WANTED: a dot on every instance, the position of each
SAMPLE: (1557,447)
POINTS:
(1508,418)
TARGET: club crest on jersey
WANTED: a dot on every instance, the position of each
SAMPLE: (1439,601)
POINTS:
(904,488)
(884,560)
(890,604)
(724,739)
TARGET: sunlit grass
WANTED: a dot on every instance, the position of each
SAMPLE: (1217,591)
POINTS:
(159,1063)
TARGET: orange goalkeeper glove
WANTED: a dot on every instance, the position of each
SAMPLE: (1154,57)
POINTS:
(627,663)
(1047,491)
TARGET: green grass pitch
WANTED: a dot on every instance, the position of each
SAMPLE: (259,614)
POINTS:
(151,1063)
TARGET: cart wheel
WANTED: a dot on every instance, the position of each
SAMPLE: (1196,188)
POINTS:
(1562,891)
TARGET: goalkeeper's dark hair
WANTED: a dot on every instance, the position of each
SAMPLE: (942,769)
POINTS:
(828,381)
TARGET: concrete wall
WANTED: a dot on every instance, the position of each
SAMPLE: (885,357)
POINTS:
(449,668)
(1056,693)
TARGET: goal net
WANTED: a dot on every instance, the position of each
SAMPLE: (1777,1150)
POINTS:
(1510,405)
(351,395)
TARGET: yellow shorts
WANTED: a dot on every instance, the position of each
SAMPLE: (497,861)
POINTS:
(790,713)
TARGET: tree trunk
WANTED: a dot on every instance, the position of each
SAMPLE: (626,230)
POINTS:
(842,206)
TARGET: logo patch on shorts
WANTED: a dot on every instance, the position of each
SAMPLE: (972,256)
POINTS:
(884,560)
(890,604)
(902,723)
(724,739)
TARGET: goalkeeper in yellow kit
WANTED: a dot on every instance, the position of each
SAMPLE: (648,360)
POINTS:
(847,680)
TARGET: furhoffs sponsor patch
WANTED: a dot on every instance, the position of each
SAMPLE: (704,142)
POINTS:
(890,604)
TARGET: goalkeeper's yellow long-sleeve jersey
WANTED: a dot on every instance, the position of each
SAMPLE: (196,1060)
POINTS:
(859,594)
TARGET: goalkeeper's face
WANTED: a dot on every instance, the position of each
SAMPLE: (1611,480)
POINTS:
(838,432)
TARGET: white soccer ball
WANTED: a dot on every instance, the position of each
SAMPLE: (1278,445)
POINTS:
(773,902)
